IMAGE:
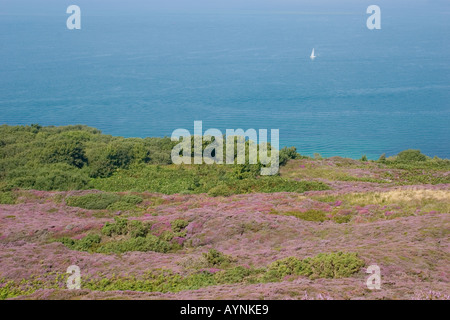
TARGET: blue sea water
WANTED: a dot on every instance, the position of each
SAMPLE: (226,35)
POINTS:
(138,73)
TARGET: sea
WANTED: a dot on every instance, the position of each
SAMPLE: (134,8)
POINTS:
(147,68)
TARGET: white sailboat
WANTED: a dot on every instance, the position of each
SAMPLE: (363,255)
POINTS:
(313,56)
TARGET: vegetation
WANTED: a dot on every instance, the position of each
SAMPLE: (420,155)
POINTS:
(80,157)
(325,265)
(124,235)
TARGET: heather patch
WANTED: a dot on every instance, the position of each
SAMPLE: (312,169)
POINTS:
(326,265)
(310,215)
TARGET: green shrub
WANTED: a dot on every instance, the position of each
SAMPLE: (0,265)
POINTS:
(149,243)
(132,199)
(220,191)
(342,218)
(7,198)
(118,227)
(323,265)
(179,224)
(216,258)
(233,275)
(411,156)
(137,229)
(88,243)
(59,176)
(287,154)
(93,201)
(364,158)
(333,265)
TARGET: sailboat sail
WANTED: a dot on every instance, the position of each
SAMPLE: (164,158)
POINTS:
(312,54)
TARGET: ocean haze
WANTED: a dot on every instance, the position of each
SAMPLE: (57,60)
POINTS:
(146,68)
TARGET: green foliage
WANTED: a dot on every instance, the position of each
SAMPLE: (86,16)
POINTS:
(122,226)
(134,236)
(221,190)
(216,258)
(93,201)
(411,156)
(382,158)
(118,227)
(364,158)
(324,265)
(67,156)
(7,198)
(330,265)
(88,243)
(58,176)
(179,224)
(132,199)
(215,180)
(149,243)
(65,150)
(287,154)
(333,265)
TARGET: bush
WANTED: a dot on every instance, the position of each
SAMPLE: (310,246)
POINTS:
(118,227)
(149,243)
(179,224)
(333,265)
(58,176)
(220,191)
(132,199)
(88,243)
(7,198)
(93,201)
(287,154)
(137,229)
(364,158)
(323,265)
(64,151)
(216,258)
(411,156)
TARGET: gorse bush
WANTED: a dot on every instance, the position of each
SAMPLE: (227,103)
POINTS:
(7,198)
(179,224)
(287,154)
(324,265)
(122,226)
(93,201)
(411,156)
(216,258)
(148,243)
